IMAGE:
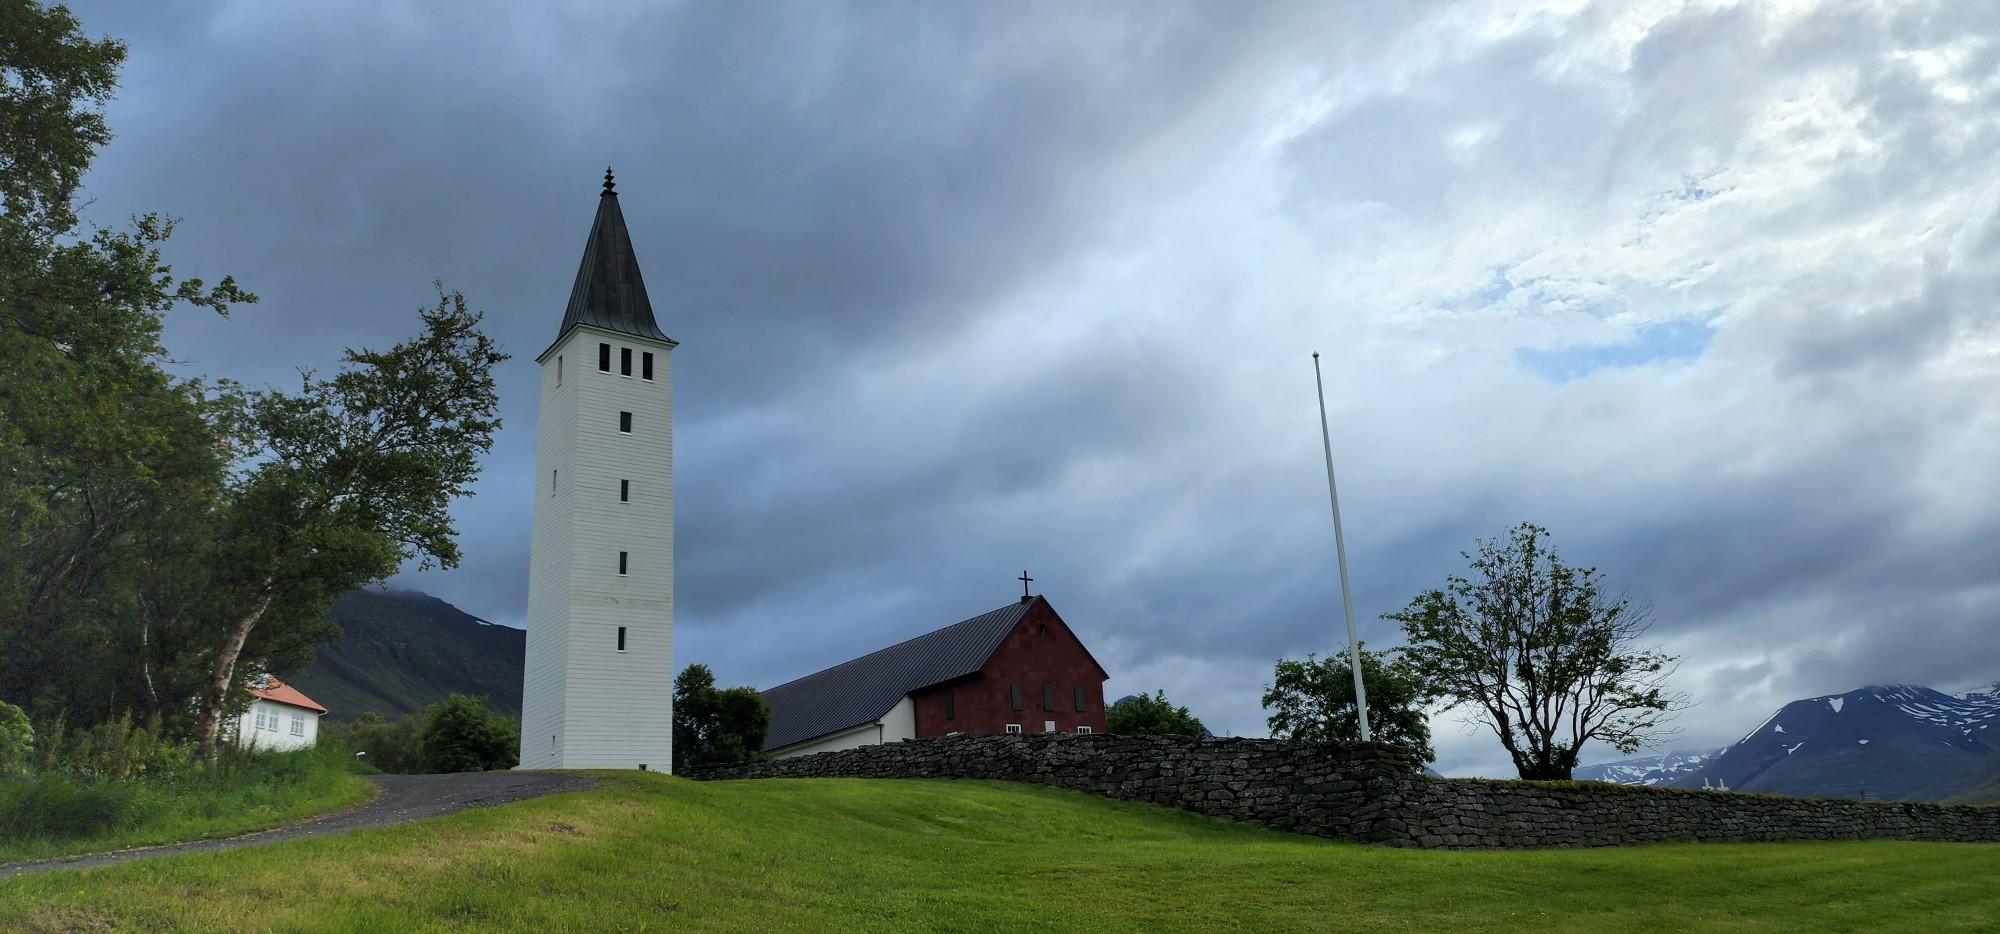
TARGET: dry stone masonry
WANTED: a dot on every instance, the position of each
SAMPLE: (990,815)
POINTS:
(1374,793)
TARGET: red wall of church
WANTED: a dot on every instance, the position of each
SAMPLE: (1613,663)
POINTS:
(1041,650)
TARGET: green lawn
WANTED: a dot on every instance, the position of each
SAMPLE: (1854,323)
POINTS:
(648,852)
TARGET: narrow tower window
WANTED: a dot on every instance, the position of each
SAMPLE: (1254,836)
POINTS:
(625,422)
(621,638)
(646,367)
(622,556)
(604,357)
(558,369)
(624,361)
(625,496)
(552,481)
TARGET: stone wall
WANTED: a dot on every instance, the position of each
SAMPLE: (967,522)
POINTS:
(1374,793)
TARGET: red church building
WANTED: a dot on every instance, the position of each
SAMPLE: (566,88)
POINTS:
(1018,669)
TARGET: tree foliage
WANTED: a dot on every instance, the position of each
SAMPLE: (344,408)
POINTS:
(1313,701)
(716,726)
(157,531)
(1140,715)
(1541,653)
(461,735)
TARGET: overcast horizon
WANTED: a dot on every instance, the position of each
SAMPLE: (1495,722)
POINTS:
(1706,289)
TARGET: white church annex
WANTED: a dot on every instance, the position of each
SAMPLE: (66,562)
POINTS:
(597,689)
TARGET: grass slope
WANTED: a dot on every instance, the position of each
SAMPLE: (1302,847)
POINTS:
(277,789)
(400,652)
(651,853)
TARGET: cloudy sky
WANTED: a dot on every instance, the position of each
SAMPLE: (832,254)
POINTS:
(961,289)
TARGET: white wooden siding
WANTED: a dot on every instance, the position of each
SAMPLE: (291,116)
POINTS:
(604,708)
(899,724)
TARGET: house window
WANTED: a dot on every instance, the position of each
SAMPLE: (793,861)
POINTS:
(950,704)
(298,725)
(1048,726)
(621,562)
(624,361)
(1014,690)
(260,718)
(1078,691)
(621,638)
(1013,728)
(1082,730)
(1048,697)
(625,496)
(646,367)
(625,422)
(604,357)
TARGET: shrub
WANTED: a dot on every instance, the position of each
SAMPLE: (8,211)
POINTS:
(17,739)
(463,736)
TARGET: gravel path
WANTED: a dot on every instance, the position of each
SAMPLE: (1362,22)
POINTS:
(403,798)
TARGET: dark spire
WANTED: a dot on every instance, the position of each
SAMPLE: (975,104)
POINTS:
(609,293)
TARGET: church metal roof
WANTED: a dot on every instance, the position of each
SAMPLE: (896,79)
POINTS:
(609,292)
(859,691)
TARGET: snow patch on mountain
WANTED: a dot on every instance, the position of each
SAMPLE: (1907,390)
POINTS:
(1836,703)
(1646,770)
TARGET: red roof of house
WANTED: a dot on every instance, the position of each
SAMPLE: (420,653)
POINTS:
(276,690)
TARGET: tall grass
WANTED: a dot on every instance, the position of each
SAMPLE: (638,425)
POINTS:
(68,808)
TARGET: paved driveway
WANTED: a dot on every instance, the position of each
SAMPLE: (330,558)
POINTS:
(403,798)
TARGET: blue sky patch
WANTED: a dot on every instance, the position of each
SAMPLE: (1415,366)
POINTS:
(1652,343)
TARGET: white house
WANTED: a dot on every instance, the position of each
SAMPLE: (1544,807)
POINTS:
(279,717)
(597,685)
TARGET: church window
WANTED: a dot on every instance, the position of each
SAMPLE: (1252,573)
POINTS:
(1015,691)
(950,704)
(621,638)
(624,491)
(1080,731)
(1013,728)
(646,367)
(1078,691)
(621,561)
(604,357)
(625,422)
(1048,697)
(624,361)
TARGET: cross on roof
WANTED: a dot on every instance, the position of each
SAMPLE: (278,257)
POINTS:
(1024,579)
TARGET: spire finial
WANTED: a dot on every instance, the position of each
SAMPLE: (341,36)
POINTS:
(608,183)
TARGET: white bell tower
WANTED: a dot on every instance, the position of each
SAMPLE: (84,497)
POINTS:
(597,692)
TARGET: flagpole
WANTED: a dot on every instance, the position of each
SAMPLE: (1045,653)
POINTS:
(1340,546)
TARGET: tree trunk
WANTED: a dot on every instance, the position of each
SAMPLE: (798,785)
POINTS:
(224,674)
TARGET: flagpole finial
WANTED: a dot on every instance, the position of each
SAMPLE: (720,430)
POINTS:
(1315,355)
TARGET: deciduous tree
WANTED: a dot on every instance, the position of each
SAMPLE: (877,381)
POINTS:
(1538,650)
(1140,715)
(1313,701)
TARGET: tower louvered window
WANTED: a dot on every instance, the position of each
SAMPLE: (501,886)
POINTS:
(625,423)
(624,361)
(646,367)
(604,357)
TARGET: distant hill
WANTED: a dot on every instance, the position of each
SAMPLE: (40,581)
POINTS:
(1659,769)
(1893,742)
(401,651)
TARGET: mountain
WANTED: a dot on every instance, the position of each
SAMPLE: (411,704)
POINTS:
(1661,769)
(1888,742)
(401,651)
